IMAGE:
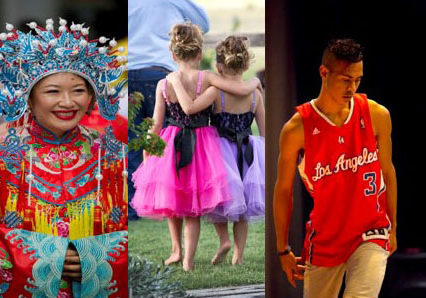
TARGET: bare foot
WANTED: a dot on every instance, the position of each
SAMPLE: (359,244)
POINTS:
(237,260)
(188,266)
(221,253)
(173,259)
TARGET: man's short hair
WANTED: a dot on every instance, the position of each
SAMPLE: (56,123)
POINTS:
(342,49)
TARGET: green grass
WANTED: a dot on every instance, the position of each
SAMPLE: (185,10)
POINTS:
(151,239)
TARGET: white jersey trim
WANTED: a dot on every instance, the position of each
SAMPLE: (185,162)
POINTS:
(328,120)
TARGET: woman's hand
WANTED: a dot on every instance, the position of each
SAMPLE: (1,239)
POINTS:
(72,266)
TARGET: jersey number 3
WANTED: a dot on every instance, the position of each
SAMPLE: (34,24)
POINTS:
(371,178)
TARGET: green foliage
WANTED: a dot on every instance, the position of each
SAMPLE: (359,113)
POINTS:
(209,55)
(149,142)
(147,279)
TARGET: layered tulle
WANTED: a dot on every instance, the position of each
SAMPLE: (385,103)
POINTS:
(248,194)
(200,187)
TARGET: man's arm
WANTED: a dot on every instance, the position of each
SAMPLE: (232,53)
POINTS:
(382,126)
(194,13)
(291,142)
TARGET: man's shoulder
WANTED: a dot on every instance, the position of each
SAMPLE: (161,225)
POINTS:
(294,125)
(376,109)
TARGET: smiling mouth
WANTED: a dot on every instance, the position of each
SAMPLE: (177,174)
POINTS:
(65,115)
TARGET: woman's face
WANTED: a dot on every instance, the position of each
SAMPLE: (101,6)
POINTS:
(59,101)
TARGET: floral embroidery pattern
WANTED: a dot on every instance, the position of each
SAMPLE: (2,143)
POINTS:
(58,155)
(63,228)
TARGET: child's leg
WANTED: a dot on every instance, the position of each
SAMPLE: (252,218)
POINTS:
(175,229)
(225,243)
(240,237)
(191,235)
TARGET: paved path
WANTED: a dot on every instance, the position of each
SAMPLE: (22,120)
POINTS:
(248,291)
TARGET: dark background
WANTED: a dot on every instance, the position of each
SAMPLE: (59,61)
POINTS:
(104,17)
(393,36)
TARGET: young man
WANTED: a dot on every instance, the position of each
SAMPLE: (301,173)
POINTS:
(345,141)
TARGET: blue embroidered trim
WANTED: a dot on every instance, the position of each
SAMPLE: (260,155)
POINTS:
(112,146)
(12,148)
(116,214)
(50,254)
(12,219)
(96,271)
(70,201)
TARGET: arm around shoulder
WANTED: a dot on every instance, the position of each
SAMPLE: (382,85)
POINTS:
(233,87)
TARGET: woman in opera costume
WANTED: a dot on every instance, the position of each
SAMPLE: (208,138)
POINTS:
(63,191)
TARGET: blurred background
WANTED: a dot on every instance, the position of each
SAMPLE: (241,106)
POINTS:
(392,34)
(104,17)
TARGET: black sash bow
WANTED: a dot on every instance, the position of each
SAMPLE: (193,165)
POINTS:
(239,138)
(185,139)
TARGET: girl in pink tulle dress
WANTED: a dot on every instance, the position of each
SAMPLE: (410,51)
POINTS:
(190,179)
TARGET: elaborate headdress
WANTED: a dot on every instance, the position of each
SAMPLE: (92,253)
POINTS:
(26,58)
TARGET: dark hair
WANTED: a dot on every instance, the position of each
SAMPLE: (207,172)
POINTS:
(346,50)
(186,41)
(233,53)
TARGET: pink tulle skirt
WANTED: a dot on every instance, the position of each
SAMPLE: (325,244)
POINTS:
(200,188)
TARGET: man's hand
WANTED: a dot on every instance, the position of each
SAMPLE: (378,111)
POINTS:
(393,243)
(72,266)
(289,264)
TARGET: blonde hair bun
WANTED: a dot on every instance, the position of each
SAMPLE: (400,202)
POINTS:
(186,41)
(233,53)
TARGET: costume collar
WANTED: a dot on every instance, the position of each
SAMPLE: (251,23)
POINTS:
(41,132)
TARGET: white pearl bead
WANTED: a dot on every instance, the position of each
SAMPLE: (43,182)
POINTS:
(113,43)
(9,27)
(121,94)
(103,39)
(62,22)
(53,42)
(99,177)
(3,36)
(19,93)
(102,50)
(30,177)
(83,43)
(49,22)
(121,49)
(73,27)
(85,31)
(125,173)
(32,25)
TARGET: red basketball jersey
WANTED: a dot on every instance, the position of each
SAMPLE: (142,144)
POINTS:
(341,170)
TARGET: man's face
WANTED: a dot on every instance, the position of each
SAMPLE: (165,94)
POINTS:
(341,80)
